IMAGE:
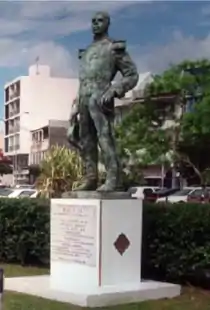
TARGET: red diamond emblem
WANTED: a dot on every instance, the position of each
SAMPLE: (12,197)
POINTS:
(122,243)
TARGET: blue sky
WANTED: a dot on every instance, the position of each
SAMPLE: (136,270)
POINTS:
(157,33)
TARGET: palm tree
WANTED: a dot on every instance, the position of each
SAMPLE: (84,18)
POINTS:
(61,170)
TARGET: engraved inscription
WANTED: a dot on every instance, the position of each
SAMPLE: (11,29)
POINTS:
(73,234)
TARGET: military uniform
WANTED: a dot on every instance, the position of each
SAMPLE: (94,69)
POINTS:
(99,64)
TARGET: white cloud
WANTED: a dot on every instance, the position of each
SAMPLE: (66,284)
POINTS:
(157,58)
(205,10)
(36,18)
(22,54)
(153,58)
(51,18)
(40,22)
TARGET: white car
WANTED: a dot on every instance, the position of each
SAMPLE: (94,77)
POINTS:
(18,193)
(180,196)
(138,191)
(20,186)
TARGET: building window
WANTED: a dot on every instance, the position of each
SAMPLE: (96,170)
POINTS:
(17,142)
(6,145)
(6,94)
(45,132)
(37,136)
(190,105)
(6,128)
(17,124)
(6,111)
(11,143)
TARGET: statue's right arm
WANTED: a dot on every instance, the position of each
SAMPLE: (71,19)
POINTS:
(75,104)
(74,108)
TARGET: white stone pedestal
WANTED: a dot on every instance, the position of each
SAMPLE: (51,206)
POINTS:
(95,243)
(96,252)
(95,256)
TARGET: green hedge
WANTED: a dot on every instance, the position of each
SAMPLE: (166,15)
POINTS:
(24,231)
(176,242)
(176,238)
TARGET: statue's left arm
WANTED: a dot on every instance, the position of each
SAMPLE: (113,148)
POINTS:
(126,67)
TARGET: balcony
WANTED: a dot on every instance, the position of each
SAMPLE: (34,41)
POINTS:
(12,92)
(40,146)
(35,158)
(13,113)
(15,147)
(14,130)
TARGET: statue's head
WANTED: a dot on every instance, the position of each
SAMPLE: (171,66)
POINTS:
(100,23)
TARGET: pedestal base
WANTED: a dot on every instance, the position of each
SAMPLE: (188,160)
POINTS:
(97,195)
(98,297)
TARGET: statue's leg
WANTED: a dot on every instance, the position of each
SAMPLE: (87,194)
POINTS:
(105,133)
(89,149)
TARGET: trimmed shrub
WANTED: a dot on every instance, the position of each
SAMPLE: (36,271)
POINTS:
(24,231)
(176,244)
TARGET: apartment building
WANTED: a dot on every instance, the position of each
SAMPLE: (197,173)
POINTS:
(53,133)
(30,102)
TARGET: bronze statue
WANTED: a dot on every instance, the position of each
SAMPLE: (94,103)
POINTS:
(92,116)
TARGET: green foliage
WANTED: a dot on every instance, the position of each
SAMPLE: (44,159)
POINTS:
(176,240)
(181,77)
(143,139)
(61,169)
(24,231)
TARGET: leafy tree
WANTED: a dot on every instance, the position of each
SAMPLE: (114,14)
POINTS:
(142,135)
(142,140)
(194,145)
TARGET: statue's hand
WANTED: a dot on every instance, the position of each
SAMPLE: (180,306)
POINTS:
(107,97)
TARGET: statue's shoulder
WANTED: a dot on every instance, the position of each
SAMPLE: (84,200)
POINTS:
(119,45)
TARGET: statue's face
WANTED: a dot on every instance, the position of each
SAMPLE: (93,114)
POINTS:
(99,24)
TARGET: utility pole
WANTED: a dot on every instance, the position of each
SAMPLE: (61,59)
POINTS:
(37,65)
(176,131)
(1,288)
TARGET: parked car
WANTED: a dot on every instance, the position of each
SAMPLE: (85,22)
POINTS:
(17,193)
(162,193)
(200,195)
(140,192)
(178,196)
(24,186)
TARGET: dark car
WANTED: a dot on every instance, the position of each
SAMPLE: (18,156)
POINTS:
(163,192)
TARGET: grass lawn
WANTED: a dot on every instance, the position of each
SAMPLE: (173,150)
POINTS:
(191,298)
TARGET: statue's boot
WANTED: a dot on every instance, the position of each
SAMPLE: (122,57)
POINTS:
(111,184)
(88,184)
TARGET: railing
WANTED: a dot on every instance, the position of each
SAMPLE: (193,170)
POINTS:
(39,146)
(14,129)
(13,113)
(14,147)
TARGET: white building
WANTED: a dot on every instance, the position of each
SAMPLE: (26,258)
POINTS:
(54,132)
(30,102)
